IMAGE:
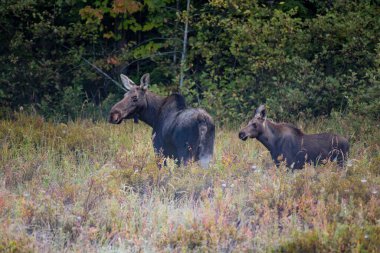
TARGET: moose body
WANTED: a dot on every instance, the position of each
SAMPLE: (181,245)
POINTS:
(178,132)
(288,143)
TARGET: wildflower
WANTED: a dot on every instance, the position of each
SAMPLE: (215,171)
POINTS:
(364,180)
(224,185)
(254,167)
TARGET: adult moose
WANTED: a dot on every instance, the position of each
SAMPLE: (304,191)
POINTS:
(179,132)
(288,143)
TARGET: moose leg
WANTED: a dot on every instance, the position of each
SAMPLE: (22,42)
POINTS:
(279,158)
(275,159)
(205,151)
(205,160)
(340,157)
(159,151)
(335,155)
(183,155)
(339,151)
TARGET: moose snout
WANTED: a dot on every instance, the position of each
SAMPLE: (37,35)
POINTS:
(115,117)
(242,135)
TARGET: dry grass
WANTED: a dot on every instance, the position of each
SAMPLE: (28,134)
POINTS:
(95,187)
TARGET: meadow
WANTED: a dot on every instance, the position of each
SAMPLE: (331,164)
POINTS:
(91,186)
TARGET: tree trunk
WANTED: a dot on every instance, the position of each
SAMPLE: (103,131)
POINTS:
(183,58)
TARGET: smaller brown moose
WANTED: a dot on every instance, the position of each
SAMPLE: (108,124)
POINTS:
(288,143)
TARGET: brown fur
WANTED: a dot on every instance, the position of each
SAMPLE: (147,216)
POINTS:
(288,143)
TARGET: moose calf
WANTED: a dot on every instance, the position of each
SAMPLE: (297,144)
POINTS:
(288,143)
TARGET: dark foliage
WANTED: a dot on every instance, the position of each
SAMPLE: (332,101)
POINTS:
(300,57)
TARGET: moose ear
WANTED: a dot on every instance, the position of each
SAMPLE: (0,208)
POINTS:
(261,112)
(128,83)
(144,81)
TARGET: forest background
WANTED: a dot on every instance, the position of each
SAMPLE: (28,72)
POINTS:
(302,58)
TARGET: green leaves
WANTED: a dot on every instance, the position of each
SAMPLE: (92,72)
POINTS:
(300,57)
(296,61)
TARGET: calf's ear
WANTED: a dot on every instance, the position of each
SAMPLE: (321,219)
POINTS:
(145,80)
(128,83)
(261,112)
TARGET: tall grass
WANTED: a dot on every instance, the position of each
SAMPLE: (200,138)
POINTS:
(87,187)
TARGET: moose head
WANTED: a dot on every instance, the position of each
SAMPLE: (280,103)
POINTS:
(256,125)
(134,100)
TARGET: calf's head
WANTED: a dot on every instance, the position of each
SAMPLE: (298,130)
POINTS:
(256,125)
(134,100)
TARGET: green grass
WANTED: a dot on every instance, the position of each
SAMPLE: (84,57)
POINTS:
(86,187)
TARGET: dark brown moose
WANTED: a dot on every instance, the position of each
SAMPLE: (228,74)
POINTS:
(179,132)
(288,143)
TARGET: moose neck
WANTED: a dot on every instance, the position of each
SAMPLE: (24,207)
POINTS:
(150,114)
(268,137)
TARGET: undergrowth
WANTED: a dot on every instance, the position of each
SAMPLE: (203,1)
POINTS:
(87,187)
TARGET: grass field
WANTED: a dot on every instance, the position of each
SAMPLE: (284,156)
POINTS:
(95,187)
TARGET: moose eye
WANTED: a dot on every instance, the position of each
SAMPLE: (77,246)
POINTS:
(254,125)
(134,99)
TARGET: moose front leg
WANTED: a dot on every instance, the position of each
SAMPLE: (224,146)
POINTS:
(276,158)
(158,150)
